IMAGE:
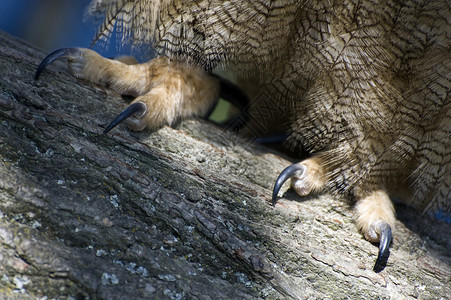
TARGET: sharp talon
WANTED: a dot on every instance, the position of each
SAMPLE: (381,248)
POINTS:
(135,108)
(62,53)
(384,244)
(283,177)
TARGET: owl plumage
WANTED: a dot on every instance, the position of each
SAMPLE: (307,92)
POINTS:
(364,86)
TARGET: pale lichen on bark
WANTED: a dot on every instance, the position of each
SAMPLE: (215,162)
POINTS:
(178,213)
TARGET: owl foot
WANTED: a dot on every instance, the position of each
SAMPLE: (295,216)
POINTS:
(374,214)
(166,90)
(306,177)
(375,218)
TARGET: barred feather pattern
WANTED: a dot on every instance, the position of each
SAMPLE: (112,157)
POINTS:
(366,83)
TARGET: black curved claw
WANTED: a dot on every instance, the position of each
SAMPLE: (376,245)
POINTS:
(134,108)
(384,251)
(62,53)
(284,176)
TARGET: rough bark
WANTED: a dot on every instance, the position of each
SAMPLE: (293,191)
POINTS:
(180,213)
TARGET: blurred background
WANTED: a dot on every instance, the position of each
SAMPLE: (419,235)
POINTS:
(51,24)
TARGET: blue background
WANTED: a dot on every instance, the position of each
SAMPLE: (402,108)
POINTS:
(52,24)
